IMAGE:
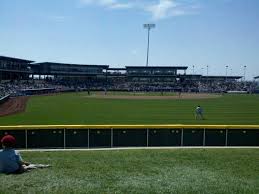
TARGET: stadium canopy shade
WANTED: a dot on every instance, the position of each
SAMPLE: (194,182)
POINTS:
(15,59)
(158,67)
(67,64)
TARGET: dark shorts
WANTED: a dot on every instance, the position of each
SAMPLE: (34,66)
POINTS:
(18,171)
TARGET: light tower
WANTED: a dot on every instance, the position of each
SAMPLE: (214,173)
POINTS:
(202,71)
(226,72)
(207,73)
(148,27)
(244,73)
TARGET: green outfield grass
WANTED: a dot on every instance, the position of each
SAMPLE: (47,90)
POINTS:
(140,171)
(75,108)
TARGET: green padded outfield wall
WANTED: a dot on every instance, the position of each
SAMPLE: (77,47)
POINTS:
(215,137)
(129,137)
(46,138)
(193,137)
(76,138)
(106,136)
(18,134)
(165,137)
(243,137)
(100,138)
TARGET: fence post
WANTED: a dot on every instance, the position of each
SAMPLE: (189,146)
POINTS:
(226,140)
(147,137)
(88,138)
(204,137)
(182,138)
(111,137)
(64,138)
(26,139)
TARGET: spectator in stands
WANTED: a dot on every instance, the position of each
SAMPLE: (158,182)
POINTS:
(199,113)
(10,160)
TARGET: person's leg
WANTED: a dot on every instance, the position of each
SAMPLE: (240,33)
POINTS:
(20,170)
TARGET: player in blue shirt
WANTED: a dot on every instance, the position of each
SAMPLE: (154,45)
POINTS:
(199,113)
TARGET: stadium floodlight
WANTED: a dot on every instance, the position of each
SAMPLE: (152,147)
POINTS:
(245,73)
(226,72)
(207,73)
(148,27)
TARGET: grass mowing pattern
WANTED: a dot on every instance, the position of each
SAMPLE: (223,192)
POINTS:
(140,171)
(73,108)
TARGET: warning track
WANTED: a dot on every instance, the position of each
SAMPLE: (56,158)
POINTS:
(14,106)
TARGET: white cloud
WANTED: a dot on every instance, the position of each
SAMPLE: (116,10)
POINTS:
(161,9)
(111,4)
(158,9)
(169,8)
(121,6)
(57,18)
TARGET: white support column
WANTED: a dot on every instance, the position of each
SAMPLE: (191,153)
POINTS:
(64,138)
(111,137)
(26,138)
(226,140)
(204,137)
(182,138)
(147,137)
(88,138)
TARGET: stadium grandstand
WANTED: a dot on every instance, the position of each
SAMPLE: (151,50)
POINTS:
(25,77)
(256,80)
(14,69)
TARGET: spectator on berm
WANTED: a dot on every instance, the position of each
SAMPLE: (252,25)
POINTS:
(10,160)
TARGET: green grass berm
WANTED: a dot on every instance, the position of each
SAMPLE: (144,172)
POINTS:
(213,171)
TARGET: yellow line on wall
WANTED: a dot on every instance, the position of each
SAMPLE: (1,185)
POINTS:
(177,126)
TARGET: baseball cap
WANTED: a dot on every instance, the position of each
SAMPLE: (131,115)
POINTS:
(8,140)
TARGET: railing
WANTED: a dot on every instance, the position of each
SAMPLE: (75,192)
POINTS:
(4,99)
(92,136)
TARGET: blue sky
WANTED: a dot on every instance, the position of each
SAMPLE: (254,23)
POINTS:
(188,32)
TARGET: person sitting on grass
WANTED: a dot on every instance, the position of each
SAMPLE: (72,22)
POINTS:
(199,113)
(10,160)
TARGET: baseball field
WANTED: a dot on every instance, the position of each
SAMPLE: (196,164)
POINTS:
(134,108)
(200,170)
